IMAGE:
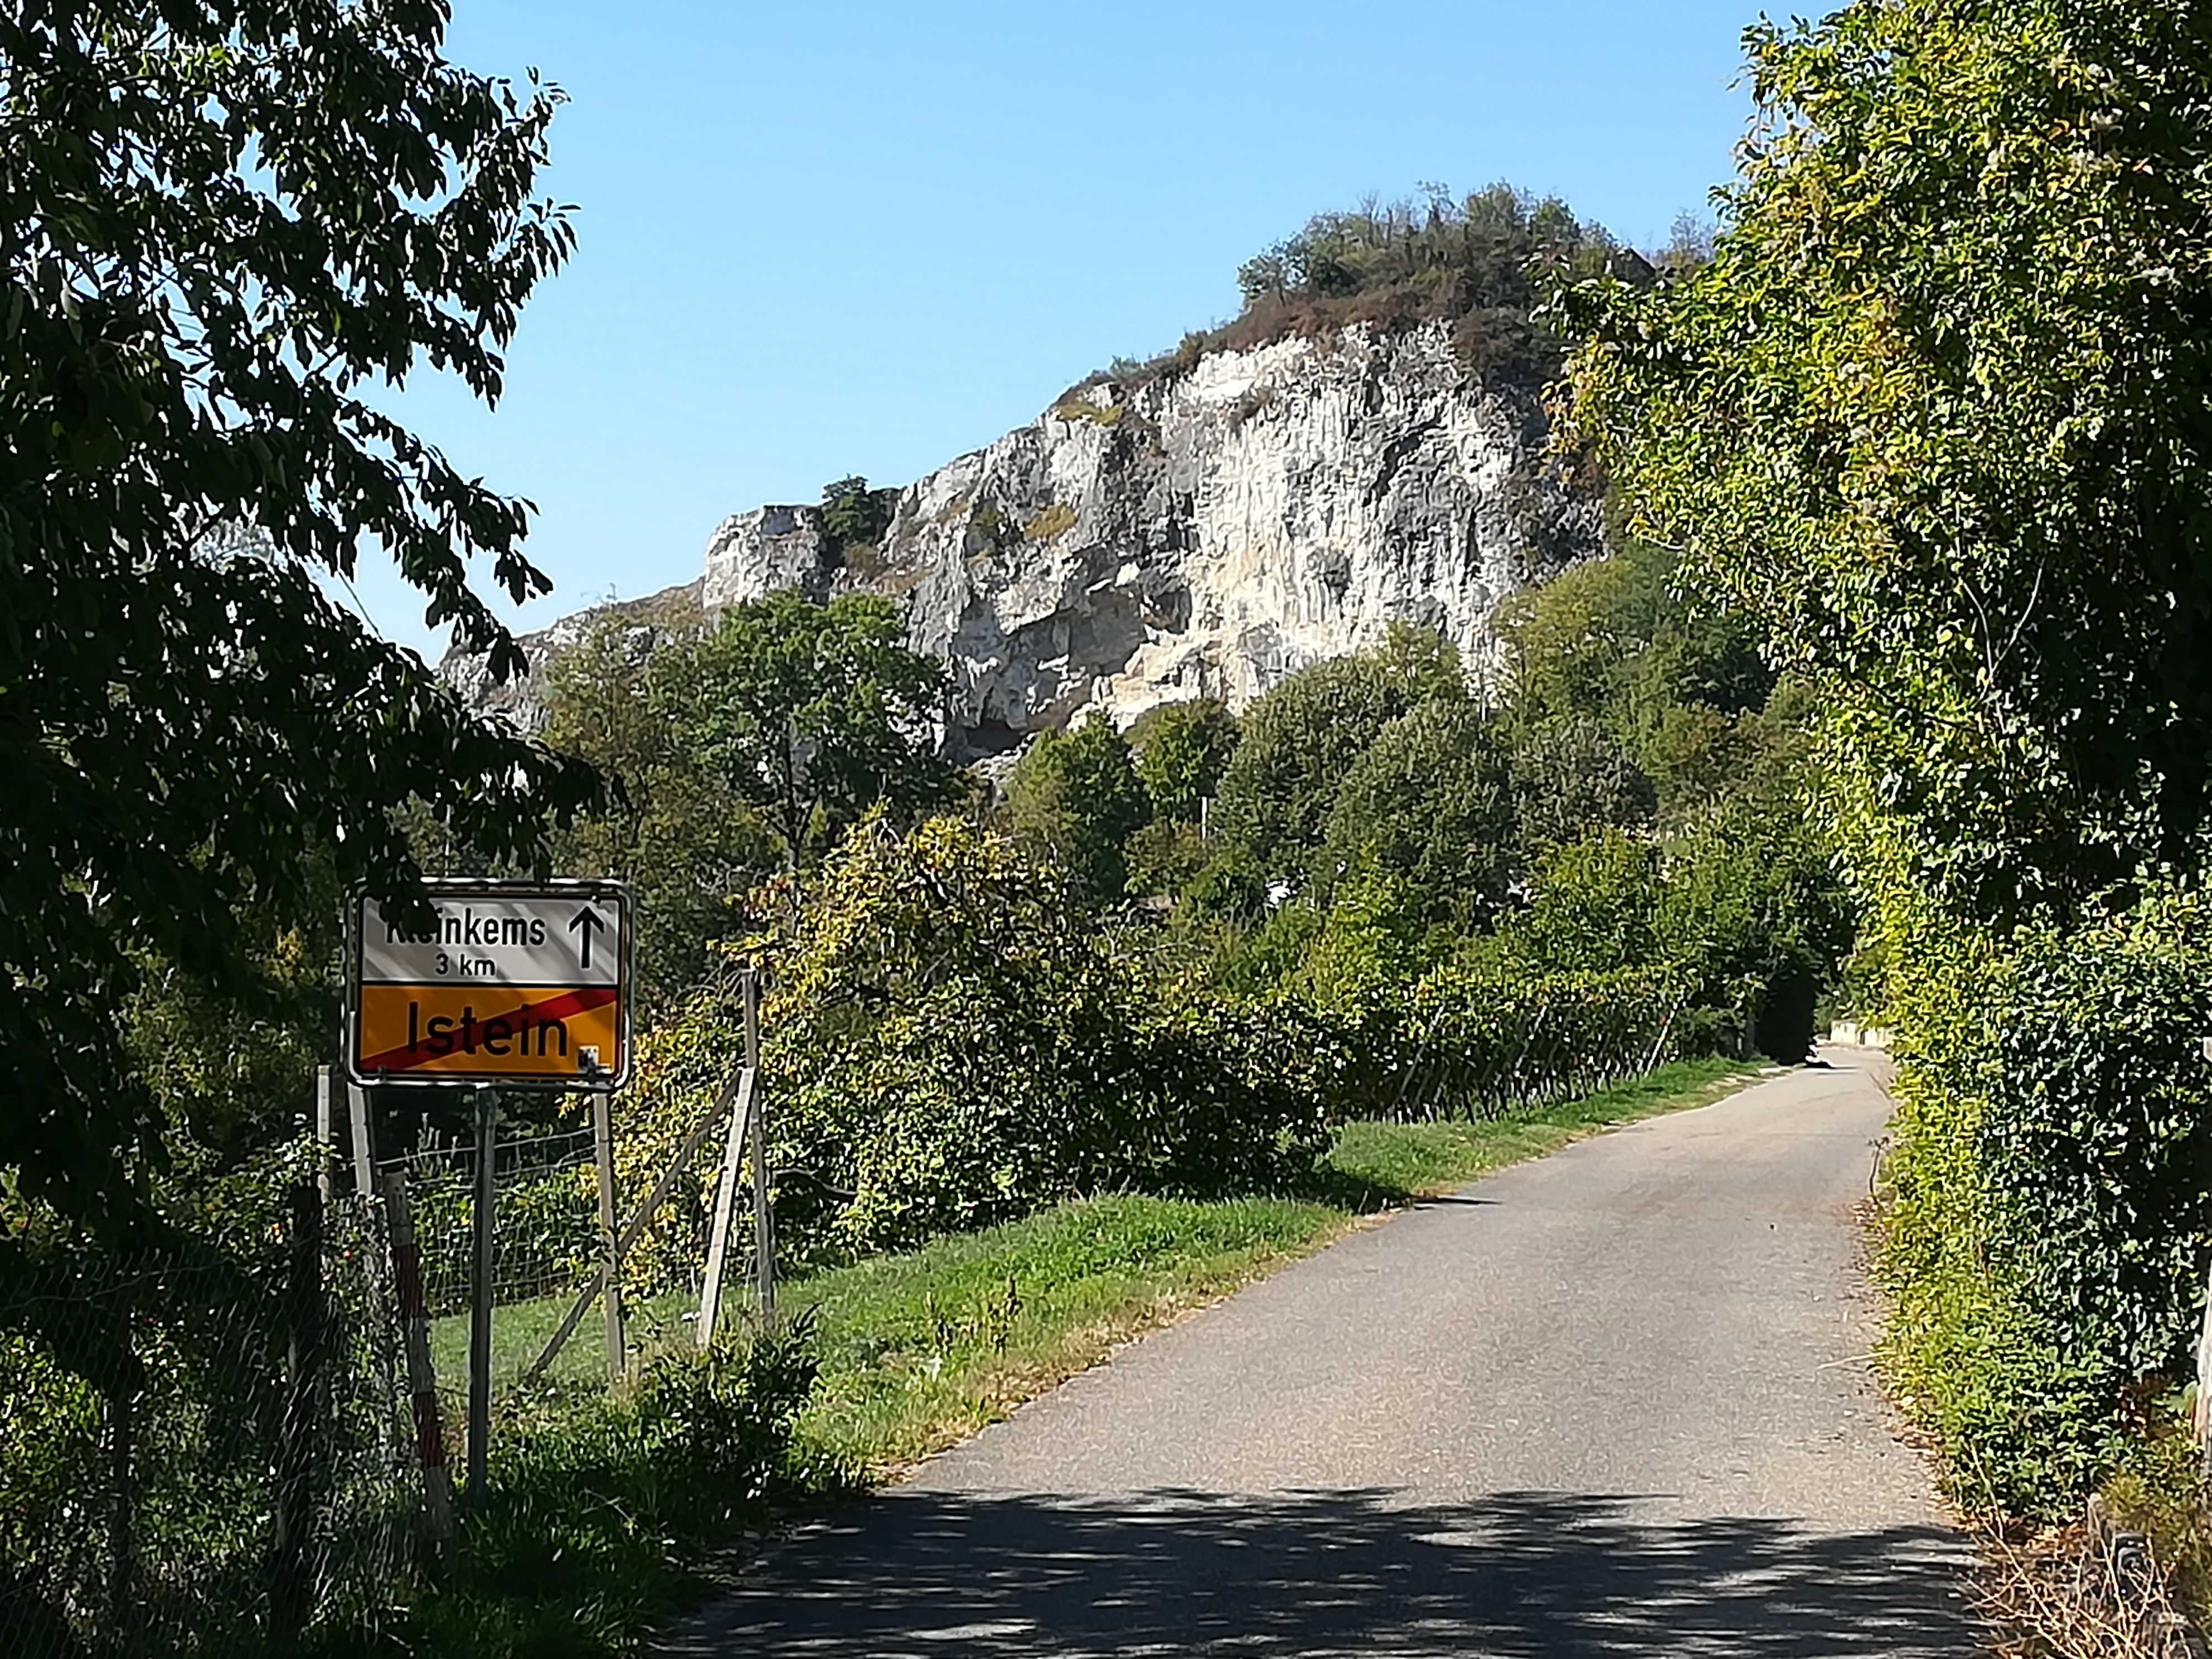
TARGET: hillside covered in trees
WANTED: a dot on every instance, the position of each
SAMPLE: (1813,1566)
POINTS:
(1364,886)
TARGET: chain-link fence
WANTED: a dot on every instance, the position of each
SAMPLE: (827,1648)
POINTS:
(548,1250)
(546,1245)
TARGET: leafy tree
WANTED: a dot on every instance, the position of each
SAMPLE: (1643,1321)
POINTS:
(669,825)
(951,1043)
(1075,795)
(1745,906)
(855,516)
(1931,415)
(1365,948)
(1752,908)
(1431,803)
(1571,778)
(1592,907)
(1229,887)
(810,714)
(1677,688)
(1181,751)
(1301,740)
(223,224)
(1165,857)
(226,1076)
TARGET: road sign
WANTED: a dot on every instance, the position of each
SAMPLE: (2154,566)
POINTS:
(510,987)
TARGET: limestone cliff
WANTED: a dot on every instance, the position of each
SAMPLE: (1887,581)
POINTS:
(1205,531)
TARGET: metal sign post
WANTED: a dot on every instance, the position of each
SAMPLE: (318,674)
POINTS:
(480,1292)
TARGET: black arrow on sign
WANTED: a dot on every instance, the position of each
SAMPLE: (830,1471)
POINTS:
(588,920)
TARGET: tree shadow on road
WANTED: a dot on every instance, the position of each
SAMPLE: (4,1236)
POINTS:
(1514,1575)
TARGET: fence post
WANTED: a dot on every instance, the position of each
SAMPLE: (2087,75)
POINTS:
(326,1145)
(480,1292)
(422,1374)
(292,1566)
(2201,1417)
(2203,1411)
(734,1147)
(364,1173)
(611,1244)
(122,1518)
(763,1216)
(634,1227)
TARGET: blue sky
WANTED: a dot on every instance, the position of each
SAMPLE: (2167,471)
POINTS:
(831,238)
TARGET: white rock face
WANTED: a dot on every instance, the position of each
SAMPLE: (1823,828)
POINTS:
(1205,534)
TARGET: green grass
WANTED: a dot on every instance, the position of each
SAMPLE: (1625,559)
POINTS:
(921,1350)
(519,1331)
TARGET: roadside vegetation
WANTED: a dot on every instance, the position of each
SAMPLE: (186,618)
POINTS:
(606,1517)
(1930,419)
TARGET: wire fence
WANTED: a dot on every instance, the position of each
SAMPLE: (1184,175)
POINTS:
(219,1456)
(205,1455)
(1452,1047)
(546,1247)
(548,1251)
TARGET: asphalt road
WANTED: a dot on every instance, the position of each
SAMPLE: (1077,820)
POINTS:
(1613,1402)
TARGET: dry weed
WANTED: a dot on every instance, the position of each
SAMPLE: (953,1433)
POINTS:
(2088,1592)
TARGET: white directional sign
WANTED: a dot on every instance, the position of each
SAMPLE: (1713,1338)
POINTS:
(509,985)
(491,937)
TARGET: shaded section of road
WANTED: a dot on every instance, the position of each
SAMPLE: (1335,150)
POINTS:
(1612,1402)
(1327,1573)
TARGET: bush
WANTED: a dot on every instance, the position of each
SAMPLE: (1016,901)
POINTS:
(2049,1221)
(599,1509)
(948,1043)
(1393,1040)
(1470,262)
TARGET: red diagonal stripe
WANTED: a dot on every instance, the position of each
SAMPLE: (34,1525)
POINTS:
(409,1056)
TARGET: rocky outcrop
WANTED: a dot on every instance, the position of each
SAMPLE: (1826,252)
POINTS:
(1201,532)
(645,623)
